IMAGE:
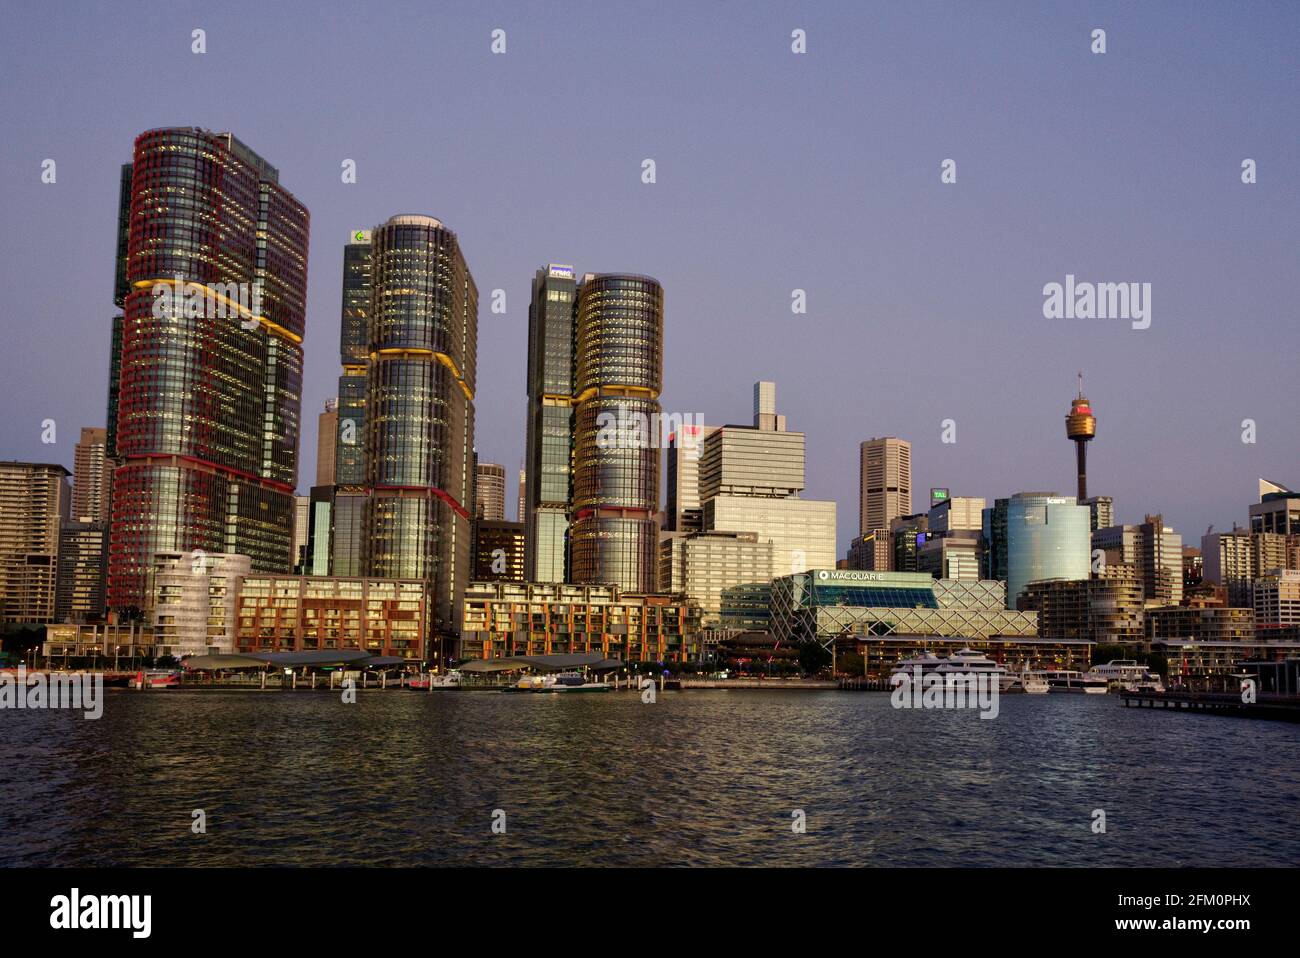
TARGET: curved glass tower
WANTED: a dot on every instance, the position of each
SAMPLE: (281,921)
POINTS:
(1048,537)
(619,355)
(209,373)
(419,412)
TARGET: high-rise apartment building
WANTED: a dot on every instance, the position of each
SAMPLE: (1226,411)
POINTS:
(884,483)
(1105,608)
(82,572)
(92,477)
(1101,510)
(498,551)
(490,492)
(419,416)
(613,532)
(34,503)
(209,376)
(1154,550)
(193,599)
(546,481)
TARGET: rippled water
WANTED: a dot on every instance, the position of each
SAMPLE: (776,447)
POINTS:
(698,778)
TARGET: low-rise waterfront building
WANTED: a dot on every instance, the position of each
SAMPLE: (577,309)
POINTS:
(823,605)
(506,618)
(288,613)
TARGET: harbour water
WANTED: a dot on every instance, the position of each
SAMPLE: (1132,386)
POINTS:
(697,778)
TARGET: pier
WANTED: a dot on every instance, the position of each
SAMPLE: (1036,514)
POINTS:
(1285,708)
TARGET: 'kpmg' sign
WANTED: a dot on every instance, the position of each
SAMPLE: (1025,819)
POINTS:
(560,272)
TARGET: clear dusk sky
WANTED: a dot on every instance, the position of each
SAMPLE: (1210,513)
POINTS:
(775,171)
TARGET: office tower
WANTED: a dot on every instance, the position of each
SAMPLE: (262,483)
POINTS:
(872,551)
(92,477)
(34,502)
(1101,511)
(949,557)
(327,428)
(750,478)
(546,481)
(419,415)
(701,565)
(498,551)
(685,446)
(192,602)
(1081,427)
(1047,538)
(354,351)
(490,492)
(1154,550)
(765,414)
(317,558)
(993,541)
(613,532)
(909,534)
(884,483)
(210,372)
(82,571)
(1278,510)
(956,514)
(301,531)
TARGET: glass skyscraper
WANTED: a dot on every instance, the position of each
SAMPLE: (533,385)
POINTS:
(1048,537)
(207,399)
(419,414)
(619,342)
(548,469)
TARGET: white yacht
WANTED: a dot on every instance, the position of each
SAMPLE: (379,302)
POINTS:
(1071,680)
(961,662)
(1033,683)
(927,661)
(1127,674)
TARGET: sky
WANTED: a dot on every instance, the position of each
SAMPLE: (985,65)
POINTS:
(775,171)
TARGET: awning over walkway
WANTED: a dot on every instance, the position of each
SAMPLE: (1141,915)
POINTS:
(544,663)
(356,658)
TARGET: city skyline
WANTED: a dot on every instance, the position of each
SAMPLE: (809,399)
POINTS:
(963,306)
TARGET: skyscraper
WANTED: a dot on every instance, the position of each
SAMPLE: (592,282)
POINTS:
(546,482)
(210,371)
(490,492)
(613,532)
(685,446)
(884,483)
(1048,537)
(327,427)
(92,477)
(419,412)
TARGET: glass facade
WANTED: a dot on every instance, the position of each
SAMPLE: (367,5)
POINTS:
(207,399)
(1048,537)
(614,534)
(548,454)
(419,415)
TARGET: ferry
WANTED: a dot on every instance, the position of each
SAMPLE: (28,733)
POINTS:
(1070,680)
(1128,675)
(433,683)
(155,679)
(558,682)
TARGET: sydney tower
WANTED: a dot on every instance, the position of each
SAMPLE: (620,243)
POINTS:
(1081,426)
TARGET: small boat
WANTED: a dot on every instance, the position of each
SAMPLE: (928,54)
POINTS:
(155,679)
(1033,683)
(558,682)
(432,683)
